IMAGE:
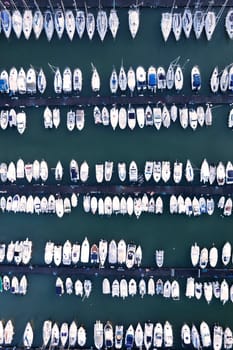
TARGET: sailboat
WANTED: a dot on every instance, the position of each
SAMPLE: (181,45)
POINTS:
(80,22)
(133,17)
(210,24)
(187,22)
(114,81)
(6,22)
(195,78)
(41,81)
(214,80)
(95,79)
(102,23)
(179,78)
(166,24)
(59,22)
(113,22)
(37,23)
(17,22)
(67,80)
(48,24)
(177,25)
(122,79)
(229,23)
(90,24)
(27,23)
(28,336)
(31,81)
(198,23)
(57,81)
(77,80)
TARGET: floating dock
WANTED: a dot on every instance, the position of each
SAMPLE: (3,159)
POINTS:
(119,272)
(42,189)
(118,3)
(87,101)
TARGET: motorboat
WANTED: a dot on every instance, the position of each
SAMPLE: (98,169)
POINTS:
(55,335)
(186,334)
(195,337)
(27,251)
(149,116)
(178,78)
(195,254)
(168,334)
(221,174)
(75,253)
(193,119)
(121,252)
(224,292)
(11,172)
(159,257)
(67,80)
(72,338)
(27,23)
(161,78)
(208,116)
(85,251)
(132,287)
(119,336)
(198,290)
(97,115)
(174,111)
(187,22)
(158,335)
(129,337)
(105,117)
(205,334)
(130,255)
(170,77)
(114,117)
(21,81)
(59,22)
(210,24)
(78,287)
(46,332)
(57,254)
(122,79)
(131,79)
(70,120)
(113,22)
(198,23)
(177,172)
(112,252)
(115,288)
(148,334)
(98,334)
(195,78)
(13,76)
(41,81)
(133,172)
(177,25)
(99,172)
(77,80)
(208,291)
(141,78)
(66,253)
(28,336)
(21,122)
(131,117)
(121,171)
(148,170)
(80,23)
(90,25)
(108,169)
(37,23)
(167,289)
(226,253)
(48,24)
(227,210)
(17,22)
(103,251)
(229,23)
(6,22)
(106,289)
(229,173)
(48,118)
(102,23)
(95,80)
(166,171)
(159,287)
(8,333)
(224,80)
(4,118)
(151,287)
(157,117)
(189,172)
(217,337)
(184,116)
(84,171)
(43,170)
(70,24)
(166,24)
(205,171)
(173,205)
(57,81)
(152,78)
(227,338)
(204,258)
(214,80)
(80,119)
(200,115)
(133,17)
(56,117)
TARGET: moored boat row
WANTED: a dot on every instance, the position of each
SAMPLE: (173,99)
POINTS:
(14,285)
(11,119)
(18,252)
(204,256)
(79,288)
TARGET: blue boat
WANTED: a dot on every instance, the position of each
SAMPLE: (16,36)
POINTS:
(195,78)
(6,22)
(129,337)
(152,78)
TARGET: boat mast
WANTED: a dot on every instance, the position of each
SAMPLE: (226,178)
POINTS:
(63,7)
(3,5)
(51,6)
(75,6)
(13,4)
(53,68)
(221,11)
(25,4)
(36,5)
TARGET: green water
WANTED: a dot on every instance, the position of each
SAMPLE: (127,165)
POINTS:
(174,234)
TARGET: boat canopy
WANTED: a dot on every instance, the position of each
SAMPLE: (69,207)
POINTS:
(196,80)
(3,85)
(152,80)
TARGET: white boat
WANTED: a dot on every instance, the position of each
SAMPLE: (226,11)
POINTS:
(226,253)
(57,81)
(17,22)
(95,80)
(78,287)
(85,251)
(166,171)
(112,252)
(80,22)
(167,289)
(224,80)
(77,80)
(187,22)
(200,115)
(70,121)
(108,335)
(161,78)
(157,171)
(173,205)
(59,286)
(66,253)
(129,337)
(48,24)
(205,334)
(227,338)
(208,291)
(141,78)
(90,24)
(183,115)
(44,170)
(148,334)
(121,252)
(148,116)
(229,173)
(48,118)
(131,79)
(159,205)
(8,333)
(67,80)
(41,81)
(177,172)
(102,23)
(214,80)
(174,110)
(46,332)
(158,335)
(28,336)
(59,22)
(198,290)
(198,23)
(113,22)
(38,23)
(189,172)
(166,24)
(98,334)
(115,288)
(186,334)
(56,117)
(224,292)
(70,24)
(21,122)
(229,23)
(106,289)
(195,337)
(12,80)
(103,251)
(193,119)
(210,24)
(148,170)
(178,78)
(72,339)
(27,251)
(208,116)
(121,171)
(159,257)
(151,287)
(221,174)
(133,17)
(123,288)
(195,78)
(205,171)
(64,332)
(227,207)
(131,118)
(133,172)
(55,335)
(140,115)
(195,254)
(119,336)
(204,258)
(114,117)
(99,172)
(84,171)
(177,25)
(168,335)
(152,78)
(217,337)
(130,255)
(27,23)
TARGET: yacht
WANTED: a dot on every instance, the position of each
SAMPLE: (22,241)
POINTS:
(168,334)
(226,253)
(85,251)
(210,24)
(80,119)
(166,171)
(37,23)
(122,79)
(113,22)
(178,78)
(170,77)
(74,171)
(6,22)
(224,80)
(224,292)
(103,251)
(102,23)
(21,81)
(48,24)
(59,22)
(121,252)
(140,78)
(186,334)
(177,172)
(157,171)
(177,25)
(95,80)
(133,17)
(204,258)
(183,116)
(84,171)
(77,80)
(195,254)
(148,170)
(217,337)
(67,80)
(131,79)
(8,333)
(129,337)
(70,24)
(80,22)
(98,334)
(205,334)
(64,333)
(133,172)
(119,336)
(46,332)
(114,117)
(158,335)
(214,80)
(108,335)
(195,78)
(130,255)
(41,81)
(17,22)
(198,23)
(122,171)
(57,81)
(166,24)
(72,338)
(27,23)
(187,22)
(229,23)
(90,25)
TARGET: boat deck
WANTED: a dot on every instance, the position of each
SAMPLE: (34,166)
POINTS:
(85,101)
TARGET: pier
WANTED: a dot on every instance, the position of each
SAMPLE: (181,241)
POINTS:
(118,3)
(166,272)
(86,101)
(103,189)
